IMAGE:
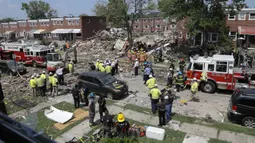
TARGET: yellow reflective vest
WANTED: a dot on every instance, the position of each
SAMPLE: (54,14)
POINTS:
(108,69)
(54,81)
(151,82)
(43,76)
(155,93)
(97,65)
(39,82)
(100,65)
(70,67)
(32,83)
(194,87)
(179,80)
(50,79)
(102,69)
(204,75)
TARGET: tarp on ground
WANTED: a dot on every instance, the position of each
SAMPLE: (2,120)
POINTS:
(57,115)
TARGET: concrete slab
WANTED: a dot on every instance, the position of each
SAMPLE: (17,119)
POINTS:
(195,139)
(137,116)
(199,130)
(120,103)
(236,137)
(154,121)
(114,110)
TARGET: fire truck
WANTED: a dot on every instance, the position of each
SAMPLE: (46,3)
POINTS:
(28,53)
(221,73)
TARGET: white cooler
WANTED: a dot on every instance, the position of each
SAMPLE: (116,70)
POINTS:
(155,133)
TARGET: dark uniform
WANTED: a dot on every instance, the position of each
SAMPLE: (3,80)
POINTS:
(108,124)
(182,65)
(179,81)
(76,96)
(169,79)
(86,94)
(102,107)
(92,110)
(161,113)
(92,66)
(123,129)
(168,99)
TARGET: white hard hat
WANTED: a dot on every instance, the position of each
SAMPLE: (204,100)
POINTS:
(170,69)
(166,97)
(97,60)
(194,78)
(155,85)
(32,76)
(150,76)
(43,72)
(37,75)
(136,59)
(50,72)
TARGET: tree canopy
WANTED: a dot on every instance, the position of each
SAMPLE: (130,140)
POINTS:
(202,15)
(39,10)
(7,19)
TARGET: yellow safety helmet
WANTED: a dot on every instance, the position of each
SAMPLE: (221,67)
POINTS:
(121,117)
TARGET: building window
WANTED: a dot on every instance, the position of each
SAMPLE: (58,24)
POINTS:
(61,22)
(69,22)
(78,21)
(146,26)
(252,16)
(88,20)
(57,22)
(136,26)
(231,17)
(158,26)
(213,37)
(187,35)
(144,20)
(180,35)
(173,25)
(101,21)
(241,16)
(73,22)
(54,22)
(232,35)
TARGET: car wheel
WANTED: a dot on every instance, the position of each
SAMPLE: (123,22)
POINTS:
(34,64)
(109,95)
(249,122)
(209,87)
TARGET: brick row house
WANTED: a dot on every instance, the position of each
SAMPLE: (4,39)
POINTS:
(65,28)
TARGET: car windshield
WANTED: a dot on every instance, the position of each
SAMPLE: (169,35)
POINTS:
(108,79)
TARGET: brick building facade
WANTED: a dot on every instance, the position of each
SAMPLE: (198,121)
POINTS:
(68,28)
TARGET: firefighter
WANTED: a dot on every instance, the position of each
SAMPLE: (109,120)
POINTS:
(100,65)
(155,94)
(161,113)
(92,110)
(85,95)
(108,68)
(142,57)
(179,81)
(102,107)
(168,99)
(50,78)
(97,65)
(194,88)
(136,67)
(122,126)
(113,67)
(55,85)
(76,96)
(151,82)
(133,56)
(32,84)
(204,76)
(108,124)
(40,84)
(129,54)
(170,78)
(182,64)
(116,62)
(70,67)
(43,77)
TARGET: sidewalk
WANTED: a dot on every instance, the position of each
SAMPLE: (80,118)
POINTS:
(194,133)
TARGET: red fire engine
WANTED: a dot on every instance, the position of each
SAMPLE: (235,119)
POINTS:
(34,55)
(220,72)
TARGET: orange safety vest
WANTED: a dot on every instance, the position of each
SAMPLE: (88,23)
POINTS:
(129,54)
(142,57)
(138,55)
(133,56)
(67,46)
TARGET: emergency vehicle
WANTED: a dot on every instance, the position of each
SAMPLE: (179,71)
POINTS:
(220,72)
(28,53)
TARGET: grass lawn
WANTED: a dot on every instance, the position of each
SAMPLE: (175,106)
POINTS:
(192,120)
(46,125)
(217,141)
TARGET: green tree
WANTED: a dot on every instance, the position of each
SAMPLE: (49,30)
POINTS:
(123,13)
(38,10)
(7,19)
(203,15)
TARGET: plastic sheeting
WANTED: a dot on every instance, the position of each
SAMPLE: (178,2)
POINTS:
(57,115)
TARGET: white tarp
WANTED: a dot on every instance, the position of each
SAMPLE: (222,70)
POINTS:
(57,115)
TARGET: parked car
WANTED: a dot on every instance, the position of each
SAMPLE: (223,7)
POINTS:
(242,107)
(11,67)
(103,84)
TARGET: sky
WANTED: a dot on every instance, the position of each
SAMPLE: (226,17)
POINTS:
(12,8)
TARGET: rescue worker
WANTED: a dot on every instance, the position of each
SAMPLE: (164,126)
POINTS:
(129,55)
(50,81)
(97,65)
(101,66)
(116,62)
(102,107)
(113,67)
(60,75)
(151,82)
(168,99)
(133,56)
(182,65)
(102,69)
(85,95)
(43,77)
(32,84)
(147,73)
(136,67)
(92,66)
(70,67)
(106,62)
(204,76)
(92,110)
(108,69)
(170,78)
(76,96)
(194,88)
(108,124)
(40,85)
(55,85)
(179,81)
(142,57)
(161,113)
(155,94)
(122,126)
